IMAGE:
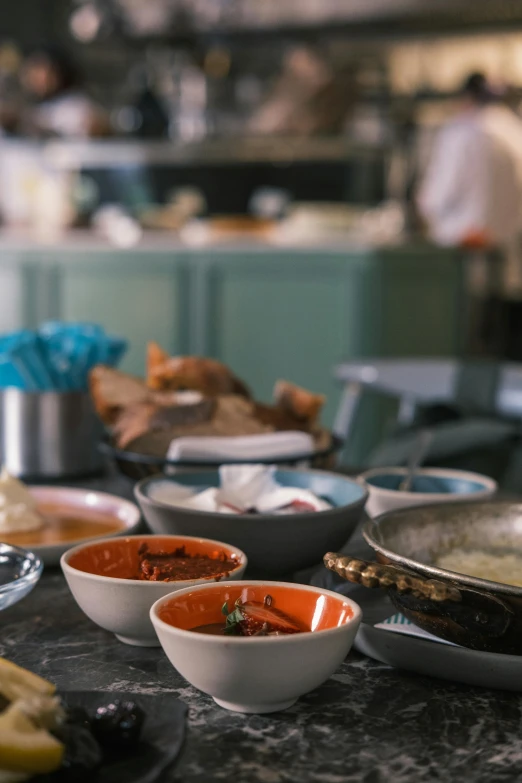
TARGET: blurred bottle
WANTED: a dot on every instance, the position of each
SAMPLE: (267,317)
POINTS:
(144,112)
(153,119)
(189,118)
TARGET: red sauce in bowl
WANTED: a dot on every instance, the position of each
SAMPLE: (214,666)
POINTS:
(179,565)
(156,559)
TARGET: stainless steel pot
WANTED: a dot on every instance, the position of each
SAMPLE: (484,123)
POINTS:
(48,434)
(469,611)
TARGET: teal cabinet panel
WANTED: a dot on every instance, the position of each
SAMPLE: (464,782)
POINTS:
(137,299)
(421,299)
(297,315)
(418,311)
(275,316)
(13,310)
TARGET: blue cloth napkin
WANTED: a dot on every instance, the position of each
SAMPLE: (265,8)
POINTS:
(57,357)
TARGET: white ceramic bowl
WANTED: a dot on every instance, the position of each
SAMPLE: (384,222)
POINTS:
(430,485)
(122,605)
(259,673)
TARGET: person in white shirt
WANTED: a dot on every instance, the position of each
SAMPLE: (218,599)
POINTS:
(471,193)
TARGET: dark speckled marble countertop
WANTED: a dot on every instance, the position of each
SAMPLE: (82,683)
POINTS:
(368,724)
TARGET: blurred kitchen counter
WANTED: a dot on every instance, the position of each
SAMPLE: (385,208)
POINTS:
(269,312)
(165,241)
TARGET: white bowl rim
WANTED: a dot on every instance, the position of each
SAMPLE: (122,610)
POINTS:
(286,639)
(489,485)
(131,508)
(287,519)
(243,561)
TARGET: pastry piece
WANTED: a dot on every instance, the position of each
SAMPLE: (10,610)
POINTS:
(150,417)
(113,390)
(208,376)
(298,402)
(193,396)
(279,419)
(232,415)
(155,357)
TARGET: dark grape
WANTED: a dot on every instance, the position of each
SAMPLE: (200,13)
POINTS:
(117,726)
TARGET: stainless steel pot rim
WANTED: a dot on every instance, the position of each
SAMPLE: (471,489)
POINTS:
(434,572)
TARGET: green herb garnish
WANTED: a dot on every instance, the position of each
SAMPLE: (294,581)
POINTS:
(233,618)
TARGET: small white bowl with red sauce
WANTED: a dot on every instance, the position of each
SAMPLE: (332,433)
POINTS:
(261,673)
(115,586)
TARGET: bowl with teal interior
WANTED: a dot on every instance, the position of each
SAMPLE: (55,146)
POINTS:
(275,545)
(429,485)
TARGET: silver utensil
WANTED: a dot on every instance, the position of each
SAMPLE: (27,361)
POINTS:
(420,449)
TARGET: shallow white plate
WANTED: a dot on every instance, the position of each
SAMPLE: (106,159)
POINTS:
(433,659)
(487,670)
(82,500)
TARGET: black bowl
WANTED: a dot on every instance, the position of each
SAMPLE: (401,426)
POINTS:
(138,466)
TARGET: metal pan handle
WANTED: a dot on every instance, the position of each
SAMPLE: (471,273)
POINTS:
(369,574)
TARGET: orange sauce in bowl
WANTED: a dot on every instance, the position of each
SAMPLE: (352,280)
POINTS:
(65,524)
(202,607)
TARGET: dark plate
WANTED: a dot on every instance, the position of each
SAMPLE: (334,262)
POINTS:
(137,466)
(162,738)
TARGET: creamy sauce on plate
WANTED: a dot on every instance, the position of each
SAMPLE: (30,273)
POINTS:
(62,525)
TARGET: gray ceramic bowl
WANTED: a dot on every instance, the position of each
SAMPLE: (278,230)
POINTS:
(274,544)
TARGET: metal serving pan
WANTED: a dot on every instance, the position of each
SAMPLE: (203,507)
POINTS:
(466,610)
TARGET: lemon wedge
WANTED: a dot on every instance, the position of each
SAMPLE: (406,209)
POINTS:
(18,683)
(24,747)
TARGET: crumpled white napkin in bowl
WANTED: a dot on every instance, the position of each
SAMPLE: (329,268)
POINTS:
(243,488)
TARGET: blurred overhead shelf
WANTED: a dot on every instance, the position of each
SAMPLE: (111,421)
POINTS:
(252,19)
(117,153)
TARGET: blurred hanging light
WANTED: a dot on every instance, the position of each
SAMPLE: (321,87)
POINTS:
(85,22)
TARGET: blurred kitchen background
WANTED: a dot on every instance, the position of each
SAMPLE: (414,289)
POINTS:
(235,178)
